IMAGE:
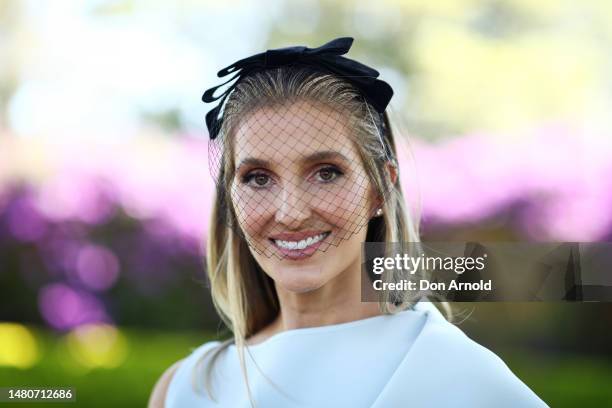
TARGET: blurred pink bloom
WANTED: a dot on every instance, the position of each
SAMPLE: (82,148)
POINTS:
(97,267)
(63,307)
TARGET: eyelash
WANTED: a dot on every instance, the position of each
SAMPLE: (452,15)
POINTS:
(247,178)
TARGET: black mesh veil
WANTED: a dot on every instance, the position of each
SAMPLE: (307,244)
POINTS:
(301,161)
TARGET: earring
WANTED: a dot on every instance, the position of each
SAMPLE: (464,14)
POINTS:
(379,212)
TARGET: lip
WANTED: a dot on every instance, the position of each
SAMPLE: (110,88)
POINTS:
(297,254)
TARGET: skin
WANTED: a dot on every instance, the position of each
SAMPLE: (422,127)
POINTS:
(324,288)
(158,395)
(289,194)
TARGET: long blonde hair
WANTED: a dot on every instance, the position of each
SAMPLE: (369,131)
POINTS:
(243,295)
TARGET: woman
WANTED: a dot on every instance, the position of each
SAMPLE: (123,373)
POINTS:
(306,171)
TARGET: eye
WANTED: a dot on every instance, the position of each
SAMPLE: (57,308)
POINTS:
(256,179)
(328,174)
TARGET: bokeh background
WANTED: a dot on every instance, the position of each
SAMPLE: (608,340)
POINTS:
(105,189)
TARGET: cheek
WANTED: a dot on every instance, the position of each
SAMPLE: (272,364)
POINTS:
(253,209)
(346,205)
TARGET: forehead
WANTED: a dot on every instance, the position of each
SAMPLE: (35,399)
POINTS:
(287,133)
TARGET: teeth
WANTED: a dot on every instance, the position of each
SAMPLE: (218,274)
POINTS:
(300,244)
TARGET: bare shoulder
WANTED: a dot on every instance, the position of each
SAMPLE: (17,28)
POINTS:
(158,395)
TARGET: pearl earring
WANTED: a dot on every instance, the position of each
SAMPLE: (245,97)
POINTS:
(379,212)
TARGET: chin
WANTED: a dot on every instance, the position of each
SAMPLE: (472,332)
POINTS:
(299,279)
(298,287)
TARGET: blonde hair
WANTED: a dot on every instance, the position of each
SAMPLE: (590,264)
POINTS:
(243,295)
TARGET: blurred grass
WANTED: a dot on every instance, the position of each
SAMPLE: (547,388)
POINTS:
(560,380)
(563,380)
(129,385)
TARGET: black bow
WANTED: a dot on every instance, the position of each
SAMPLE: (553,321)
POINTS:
(327,56)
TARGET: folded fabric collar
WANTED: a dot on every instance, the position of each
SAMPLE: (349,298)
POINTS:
(327,57)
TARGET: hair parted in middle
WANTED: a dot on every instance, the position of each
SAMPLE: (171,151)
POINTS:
(243,294)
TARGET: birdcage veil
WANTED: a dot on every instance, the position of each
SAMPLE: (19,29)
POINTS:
(292,165)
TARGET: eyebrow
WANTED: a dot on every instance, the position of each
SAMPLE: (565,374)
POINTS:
(318,156)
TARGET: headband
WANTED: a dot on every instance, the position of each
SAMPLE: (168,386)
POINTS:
(328,57)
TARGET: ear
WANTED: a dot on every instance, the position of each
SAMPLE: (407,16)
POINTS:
(392,171)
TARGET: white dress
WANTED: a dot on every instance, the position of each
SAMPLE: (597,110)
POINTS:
(412,359)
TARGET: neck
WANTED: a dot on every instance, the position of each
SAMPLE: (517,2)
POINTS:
(338,301)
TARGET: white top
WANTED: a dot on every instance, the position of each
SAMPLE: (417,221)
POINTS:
(414,358)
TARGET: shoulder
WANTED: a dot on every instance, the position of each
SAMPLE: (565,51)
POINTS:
(467,369)
(158,395)
(443,341)
(179,372)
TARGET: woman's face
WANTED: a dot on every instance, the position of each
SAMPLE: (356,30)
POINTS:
(301,194)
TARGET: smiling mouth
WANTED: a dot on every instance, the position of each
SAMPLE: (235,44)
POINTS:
(301,244)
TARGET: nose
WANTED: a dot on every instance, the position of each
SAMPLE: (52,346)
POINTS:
(294,207)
